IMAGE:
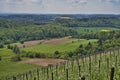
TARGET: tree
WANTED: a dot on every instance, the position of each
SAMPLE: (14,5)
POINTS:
(57,54)
(0,58)
(9,47)
(1,46)
(100,42)
(17,57)
(22,42)
(81,46)
(16,49)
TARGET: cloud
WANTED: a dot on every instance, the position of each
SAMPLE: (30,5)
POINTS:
(111,1)
(60,6)
(21,2)
(78,1)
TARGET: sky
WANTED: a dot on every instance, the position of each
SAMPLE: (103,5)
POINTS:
(60,6)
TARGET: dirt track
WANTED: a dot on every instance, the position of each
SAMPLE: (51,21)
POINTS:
(44,62)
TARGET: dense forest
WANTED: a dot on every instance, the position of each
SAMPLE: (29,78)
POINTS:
(90,22)
(12,32)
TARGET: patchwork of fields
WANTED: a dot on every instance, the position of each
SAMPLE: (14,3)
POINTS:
(48,47)
(65,46)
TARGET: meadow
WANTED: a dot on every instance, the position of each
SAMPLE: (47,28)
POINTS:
(66,46)
(9,68)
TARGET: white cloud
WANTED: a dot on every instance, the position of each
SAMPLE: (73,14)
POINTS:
(21,1)
(77,1)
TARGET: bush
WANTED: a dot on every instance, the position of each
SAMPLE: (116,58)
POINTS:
(31,55)
(56,54)
(1,46)
(10,47)
(37,55)
(22,42)
(16,58)
(0,58)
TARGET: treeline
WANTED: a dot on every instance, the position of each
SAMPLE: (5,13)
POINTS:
(106,41)
(90,22)
(13,32)
(99,35)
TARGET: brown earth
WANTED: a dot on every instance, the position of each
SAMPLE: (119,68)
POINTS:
(44,62)
(57,41)
(31,43)
(51,41)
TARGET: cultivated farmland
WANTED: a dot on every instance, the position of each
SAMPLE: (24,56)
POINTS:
(61,45)
(101,66)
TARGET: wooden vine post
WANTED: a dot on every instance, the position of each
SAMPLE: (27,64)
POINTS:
(83,78)
(66,74)
(112,73)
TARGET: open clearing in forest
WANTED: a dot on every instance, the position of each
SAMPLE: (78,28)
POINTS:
(44,62)
(51,41)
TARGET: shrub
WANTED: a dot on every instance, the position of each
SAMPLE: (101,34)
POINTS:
(0,58)
(22,42)
(56,54)
(10,47)
(17,57)
(37,55)
(1,46)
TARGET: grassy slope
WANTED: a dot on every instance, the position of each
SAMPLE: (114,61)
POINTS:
(8,68)
(62,47)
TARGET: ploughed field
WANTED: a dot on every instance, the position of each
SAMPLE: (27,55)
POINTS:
(44,62)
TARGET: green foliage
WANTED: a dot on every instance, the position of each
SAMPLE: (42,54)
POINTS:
(1,46)
(31,54)
(63,48)
(56,54)
(0,58)
(84,30)
(32,32)
(22,42)
(9,46)
(16,58)
(90,22)
(9,68)
(16,49)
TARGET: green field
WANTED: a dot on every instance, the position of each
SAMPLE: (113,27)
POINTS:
(9,68)
(61,47)
(94,29)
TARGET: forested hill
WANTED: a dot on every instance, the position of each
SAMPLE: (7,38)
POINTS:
(11,31)
(70,20)
(90,22)
(32,27)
